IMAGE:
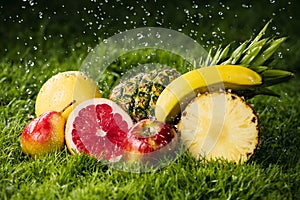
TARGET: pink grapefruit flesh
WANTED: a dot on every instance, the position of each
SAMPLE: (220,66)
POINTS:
(98,127)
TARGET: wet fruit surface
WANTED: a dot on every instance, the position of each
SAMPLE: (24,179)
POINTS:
(63,88)
(148,136)
(43,135)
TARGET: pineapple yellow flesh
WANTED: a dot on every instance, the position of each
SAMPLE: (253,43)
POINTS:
(219,125)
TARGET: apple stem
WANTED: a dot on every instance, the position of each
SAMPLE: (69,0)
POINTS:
(65,108)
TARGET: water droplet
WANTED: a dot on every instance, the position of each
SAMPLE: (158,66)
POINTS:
(140,36)
(31,2)
(195,6)
(40,15)
(157,35)
(246,6)
(28,91)
(272,1)
(30,63)
(186,11)
(145,44)
(159,23)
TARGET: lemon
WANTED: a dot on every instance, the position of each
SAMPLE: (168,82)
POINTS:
(63,88)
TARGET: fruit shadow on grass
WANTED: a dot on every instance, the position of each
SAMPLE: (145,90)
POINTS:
(148,162)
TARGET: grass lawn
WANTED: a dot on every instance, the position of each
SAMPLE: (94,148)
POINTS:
(38,40)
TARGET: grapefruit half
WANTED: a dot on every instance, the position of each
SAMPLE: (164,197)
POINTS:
(98,127)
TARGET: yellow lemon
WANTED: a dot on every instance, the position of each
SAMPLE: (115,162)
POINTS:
(63,88)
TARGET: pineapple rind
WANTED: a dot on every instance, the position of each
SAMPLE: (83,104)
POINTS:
(138,94)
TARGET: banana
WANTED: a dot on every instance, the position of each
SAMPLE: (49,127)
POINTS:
(179,92)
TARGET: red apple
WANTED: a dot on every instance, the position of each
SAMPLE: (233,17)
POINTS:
(149,138)
(44,134)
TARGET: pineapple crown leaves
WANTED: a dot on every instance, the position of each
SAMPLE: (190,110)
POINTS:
(254,54)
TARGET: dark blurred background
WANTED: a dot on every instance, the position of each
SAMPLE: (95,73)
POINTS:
(74,26)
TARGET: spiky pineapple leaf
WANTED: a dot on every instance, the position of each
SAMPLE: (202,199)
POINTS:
(254,54)
(268,52)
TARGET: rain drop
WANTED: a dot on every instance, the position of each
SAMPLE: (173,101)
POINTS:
(28,91)
(140,36)
(157,35)
(159,23)
(30,63)
(145,44)
(246,6)
(40,15)
(31,3)
(186,11)
(195,6)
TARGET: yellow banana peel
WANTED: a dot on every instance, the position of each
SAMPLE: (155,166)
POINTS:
(179,92)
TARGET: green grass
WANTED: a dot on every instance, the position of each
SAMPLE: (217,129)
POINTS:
(272,173)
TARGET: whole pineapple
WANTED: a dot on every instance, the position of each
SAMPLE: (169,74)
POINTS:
(138,94)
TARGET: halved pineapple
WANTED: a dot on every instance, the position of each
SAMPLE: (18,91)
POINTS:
(219,125)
